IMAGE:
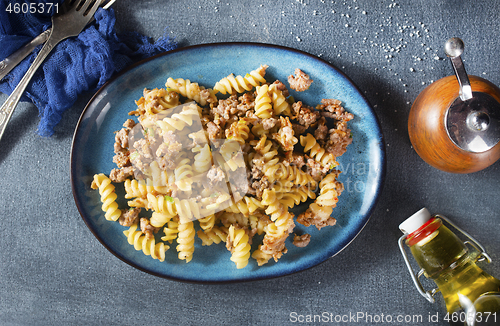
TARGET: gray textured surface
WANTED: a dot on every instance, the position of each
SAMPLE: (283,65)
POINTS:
(54,272)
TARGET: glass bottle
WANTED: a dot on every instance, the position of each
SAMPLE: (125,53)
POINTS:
(471,295)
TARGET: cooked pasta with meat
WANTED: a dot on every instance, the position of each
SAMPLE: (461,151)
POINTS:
(226,165)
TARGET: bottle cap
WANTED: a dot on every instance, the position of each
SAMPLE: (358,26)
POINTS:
(414,222)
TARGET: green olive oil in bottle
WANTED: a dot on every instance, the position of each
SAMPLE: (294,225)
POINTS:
(471,295)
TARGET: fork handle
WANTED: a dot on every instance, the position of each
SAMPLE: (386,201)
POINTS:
(15,58)
(10,104)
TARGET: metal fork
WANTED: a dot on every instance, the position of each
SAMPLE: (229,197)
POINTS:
(15,58)
(71,21)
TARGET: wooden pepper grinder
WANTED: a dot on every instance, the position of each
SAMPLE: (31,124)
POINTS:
(454,123)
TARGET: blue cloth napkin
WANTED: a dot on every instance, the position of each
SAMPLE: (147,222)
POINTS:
(76,65)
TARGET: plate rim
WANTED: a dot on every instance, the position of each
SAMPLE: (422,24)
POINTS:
(377,194)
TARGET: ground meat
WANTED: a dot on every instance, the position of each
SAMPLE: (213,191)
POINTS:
(167,162)
(285,135)
(129,123)
(246,103)
(143,148)
(214,131)
(301,240)
(300,82)
(258,163)
(254,177)
(167,153)
(306,116)
(317,216)
(339,139)
(298,129)
(281,87)
(246,148)
(121,140)
(321,131)
(147,228)
(316,170)
(206,96)
(224,108)
(215,174)
(122,159)
(120,175)
(253,118)
(129,216)
(170,137)
(294,159)
(260,185)
(122,136)
(269,123)
(334,110)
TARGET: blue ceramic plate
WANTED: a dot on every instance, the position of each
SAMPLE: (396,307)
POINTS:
(363,165)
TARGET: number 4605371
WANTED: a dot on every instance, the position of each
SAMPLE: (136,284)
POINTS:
(31,8)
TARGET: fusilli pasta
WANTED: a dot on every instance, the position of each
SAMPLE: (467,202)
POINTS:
(318,153)
(241,84)
(147,245)
(108,197)
(237,242)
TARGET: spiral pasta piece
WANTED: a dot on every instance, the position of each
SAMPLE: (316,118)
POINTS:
(108,196)
(188,210)
(147,245)
(265,148)
(138,202)
(259,223)
(171,230)
(296,196)
(318,153)
(185,241)
(253,204)
(157,100)
(159,219)
(237,242)
(192,91)
(161,204)
(178,121)
(291,173)
(273,244)
(202,160)
(239,207)
(238,131)
(134,188)
(230,156)
(228,218)
(241,84)
(216,235)
(159,179)
(207,223)
(280,104)
(261,256)
(276,233)
(274,208)
(183,174)
(263,103)
(328,195)
(258,130)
